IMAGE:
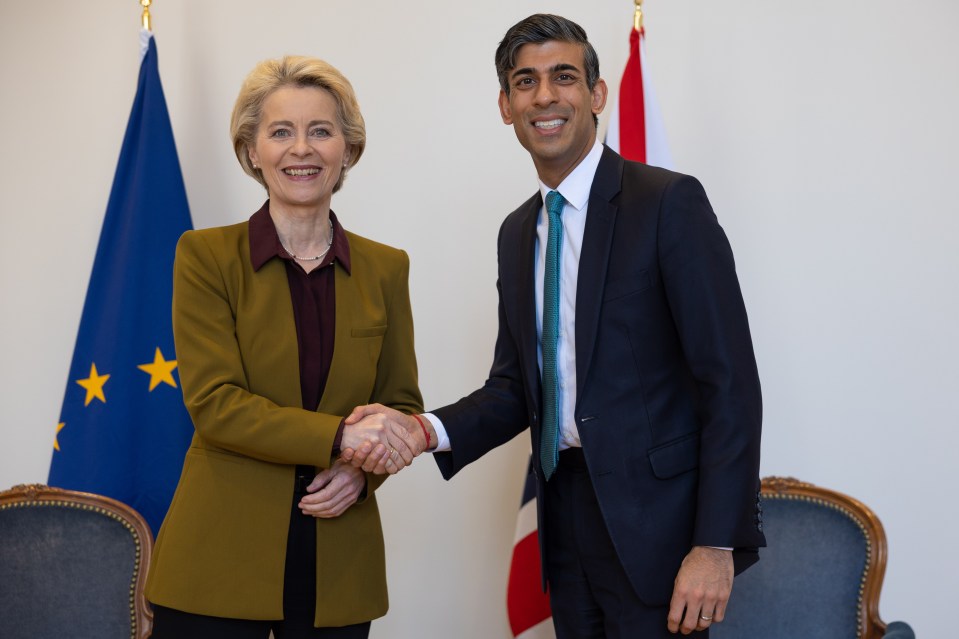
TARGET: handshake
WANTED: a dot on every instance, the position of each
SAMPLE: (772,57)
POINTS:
(381,440)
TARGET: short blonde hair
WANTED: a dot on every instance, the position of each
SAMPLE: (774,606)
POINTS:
(298,71)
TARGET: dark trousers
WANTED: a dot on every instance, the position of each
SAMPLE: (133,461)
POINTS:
(299,595)
(589,592)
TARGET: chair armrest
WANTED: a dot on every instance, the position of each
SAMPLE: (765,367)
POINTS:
(899,630)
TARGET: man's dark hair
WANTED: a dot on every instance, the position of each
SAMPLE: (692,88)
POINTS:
(537,29)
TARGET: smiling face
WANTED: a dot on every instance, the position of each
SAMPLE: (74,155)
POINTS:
(299,148)
(551,107)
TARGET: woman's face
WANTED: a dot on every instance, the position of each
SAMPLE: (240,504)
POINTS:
(299,147)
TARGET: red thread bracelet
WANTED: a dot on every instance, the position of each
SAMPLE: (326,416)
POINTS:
(426,433)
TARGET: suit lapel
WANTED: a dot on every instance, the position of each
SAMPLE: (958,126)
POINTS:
(526,297)
(594,259)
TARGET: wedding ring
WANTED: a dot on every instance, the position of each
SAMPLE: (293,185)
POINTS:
(705,618)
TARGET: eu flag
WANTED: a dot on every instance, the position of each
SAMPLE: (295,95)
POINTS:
(123,428)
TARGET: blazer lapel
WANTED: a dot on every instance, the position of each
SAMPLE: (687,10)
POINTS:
(594,259)
(273,348)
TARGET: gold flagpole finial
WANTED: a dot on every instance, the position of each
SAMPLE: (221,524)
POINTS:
(146,14)
(638,16)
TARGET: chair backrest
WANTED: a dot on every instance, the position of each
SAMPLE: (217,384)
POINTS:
(820,575)
(72,564)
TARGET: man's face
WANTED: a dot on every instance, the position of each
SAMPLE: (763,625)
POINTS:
(551,108)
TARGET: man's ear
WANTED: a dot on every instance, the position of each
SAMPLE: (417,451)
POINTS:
(599,96)
(504,109)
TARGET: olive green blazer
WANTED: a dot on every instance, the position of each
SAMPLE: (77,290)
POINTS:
(221,549)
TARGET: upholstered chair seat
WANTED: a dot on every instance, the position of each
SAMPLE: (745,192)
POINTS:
(72,564)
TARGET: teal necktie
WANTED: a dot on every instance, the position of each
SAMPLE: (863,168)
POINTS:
(549,450)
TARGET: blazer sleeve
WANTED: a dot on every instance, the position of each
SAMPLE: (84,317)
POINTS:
(226,414)
(704,297)
(397,384)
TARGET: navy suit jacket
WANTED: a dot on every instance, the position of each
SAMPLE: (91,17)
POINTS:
(668,402)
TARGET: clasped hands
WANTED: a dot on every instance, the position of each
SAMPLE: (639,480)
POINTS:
(381,440)
(376,439)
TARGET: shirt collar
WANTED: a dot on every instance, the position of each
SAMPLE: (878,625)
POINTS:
(575,188)
(265,242)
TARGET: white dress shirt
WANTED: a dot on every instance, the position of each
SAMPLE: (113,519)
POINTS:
(575,190)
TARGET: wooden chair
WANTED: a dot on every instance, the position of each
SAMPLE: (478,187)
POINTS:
(821,574)
(72,564)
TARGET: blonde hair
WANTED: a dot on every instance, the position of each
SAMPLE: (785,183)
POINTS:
(298,71)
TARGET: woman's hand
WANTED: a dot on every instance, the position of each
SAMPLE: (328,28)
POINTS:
(333,490)
(381,440)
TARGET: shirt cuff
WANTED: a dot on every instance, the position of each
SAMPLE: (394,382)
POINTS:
(442,439)
(337,440)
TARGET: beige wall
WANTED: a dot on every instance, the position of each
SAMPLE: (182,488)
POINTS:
(824,133)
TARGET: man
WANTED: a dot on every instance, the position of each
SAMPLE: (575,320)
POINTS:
(623,344)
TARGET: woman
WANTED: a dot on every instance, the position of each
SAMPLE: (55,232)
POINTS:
(282,325)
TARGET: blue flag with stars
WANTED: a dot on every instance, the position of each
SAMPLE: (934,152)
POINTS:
(123,429)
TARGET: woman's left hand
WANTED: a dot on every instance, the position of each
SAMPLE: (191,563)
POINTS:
(333,490)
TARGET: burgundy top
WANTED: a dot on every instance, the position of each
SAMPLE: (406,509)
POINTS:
(314,301)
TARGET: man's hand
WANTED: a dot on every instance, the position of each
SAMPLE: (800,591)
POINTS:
(701,590)
(376,431)
(372,456)
(333,490)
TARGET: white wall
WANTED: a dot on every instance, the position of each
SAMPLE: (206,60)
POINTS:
(824,133)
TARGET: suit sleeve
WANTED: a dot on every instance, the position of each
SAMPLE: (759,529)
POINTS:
(495,413)
(225,413)
(704,297)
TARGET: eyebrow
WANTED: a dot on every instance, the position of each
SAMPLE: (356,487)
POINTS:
(562,66)
(289,123)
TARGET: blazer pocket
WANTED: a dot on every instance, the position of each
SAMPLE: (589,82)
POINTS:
(368,331)
(219,454)
(675,457)
(627,285)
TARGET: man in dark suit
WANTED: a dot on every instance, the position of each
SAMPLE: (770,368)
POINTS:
(623,344)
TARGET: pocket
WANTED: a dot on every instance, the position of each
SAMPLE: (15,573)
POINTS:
(675,457)
(626,285)
(368,331)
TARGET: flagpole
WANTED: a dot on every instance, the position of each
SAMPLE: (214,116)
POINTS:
(146,22)
(637,17)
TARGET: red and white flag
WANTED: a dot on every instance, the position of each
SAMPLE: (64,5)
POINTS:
(636,128)
(526,603)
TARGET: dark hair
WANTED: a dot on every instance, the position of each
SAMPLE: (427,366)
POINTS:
(537,29)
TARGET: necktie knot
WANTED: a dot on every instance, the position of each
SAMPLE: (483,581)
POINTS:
(554,204)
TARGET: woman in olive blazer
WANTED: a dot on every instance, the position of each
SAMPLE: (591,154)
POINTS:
(222,550)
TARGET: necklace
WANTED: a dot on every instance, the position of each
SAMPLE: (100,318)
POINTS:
(312,259)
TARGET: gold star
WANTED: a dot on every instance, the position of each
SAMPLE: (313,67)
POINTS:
(56,444)
(94,385)
(160,370)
